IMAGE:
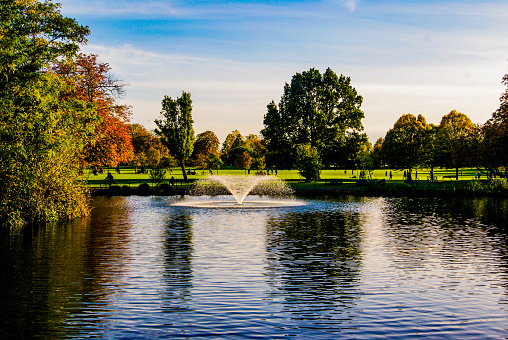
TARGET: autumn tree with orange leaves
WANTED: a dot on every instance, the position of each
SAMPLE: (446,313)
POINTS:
(95,84)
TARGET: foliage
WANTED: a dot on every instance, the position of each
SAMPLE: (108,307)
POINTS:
(280,152)
(257,151)
(213,161)
(404,144)
(243,161)
(493,150)
(308,162)
(94,84)
(39,137)
(157,175)
(175,128)
(354,152)
(206,144)
(148,149)
(320,110)
(227,146)
(33,35)
(376,156)
(454,141)
(41,130)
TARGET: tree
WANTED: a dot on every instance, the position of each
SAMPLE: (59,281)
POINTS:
(376,156)
(280,152)
(493,149)
(33,36)
(257,151)
(308,162)
(148,148)
(315,109)
(175,128)
(95,84)
(243,161)
(454,138)
(228,145)
(41,129)
(403,147)
(430,155)
(206,144)
(351,155)
(213,161)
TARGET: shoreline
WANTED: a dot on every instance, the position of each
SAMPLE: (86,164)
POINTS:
(399,190)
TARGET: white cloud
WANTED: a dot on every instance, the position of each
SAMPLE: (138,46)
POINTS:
(351,5)
(227,95)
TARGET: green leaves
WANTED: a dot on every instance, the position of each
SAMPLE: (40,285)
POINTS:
(308,162)
(40,130)
(315,109)
(175,127)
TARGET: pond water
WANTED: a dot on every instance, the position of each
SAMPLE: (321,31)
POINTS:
(358,268)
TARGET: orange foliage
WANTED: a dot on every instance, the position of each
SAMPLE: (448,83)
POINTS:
(94,84)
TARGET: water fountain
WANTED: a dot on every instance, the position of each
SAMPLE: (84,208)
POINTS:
(270,192)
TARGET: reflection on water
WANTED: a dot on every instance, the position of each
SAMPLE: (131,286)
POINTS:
(178,249)
(314,266)
(348,268)
(56,274)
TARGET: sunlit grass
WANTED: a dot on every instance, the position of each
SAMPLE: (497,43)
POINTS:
(329,177)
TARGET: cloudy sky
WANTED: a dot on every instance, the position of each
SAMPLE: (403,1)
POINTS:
(410,56)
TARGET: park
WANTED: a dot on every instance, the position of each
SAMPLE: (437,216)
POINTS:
(305,228)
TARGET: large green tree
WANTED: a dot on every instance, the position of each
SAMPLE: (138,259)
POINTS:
(175,128)
(493,150)
(317,109)
(404,144)
(41,129)
(454,141)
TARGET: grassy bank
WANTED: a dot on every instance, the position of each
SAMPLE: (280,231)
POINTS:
(335,181)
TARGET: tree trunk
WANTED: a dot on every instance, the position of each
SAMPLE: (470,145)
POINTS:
(457,173)
(182,165)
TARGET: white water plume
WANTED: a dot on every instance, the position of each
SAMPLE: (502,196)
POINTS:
(241,186)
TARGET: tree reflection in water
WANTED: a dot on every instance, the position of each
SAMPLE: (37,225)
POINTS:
(178,250)
(314,261)
(56,275)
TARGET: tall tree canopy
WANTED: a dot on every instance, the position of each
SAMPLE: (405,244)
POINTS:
(175,128)
(94,83)
(455,137)
(227,146)
(404,144)
(494,146)
(206,144)
(41,129)
(322,110)
(33,35)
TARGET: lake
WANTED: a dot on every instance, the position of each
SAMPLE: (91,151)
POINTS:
(362,268)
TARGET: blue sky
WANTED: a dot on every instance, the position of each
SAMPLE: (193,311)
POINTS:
(234,57)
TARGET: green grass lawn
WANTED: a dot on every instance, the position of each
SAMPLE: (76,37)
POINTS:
(128,177)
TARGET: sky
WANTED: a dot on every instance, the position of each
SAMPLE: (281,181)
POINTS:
(234,57)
